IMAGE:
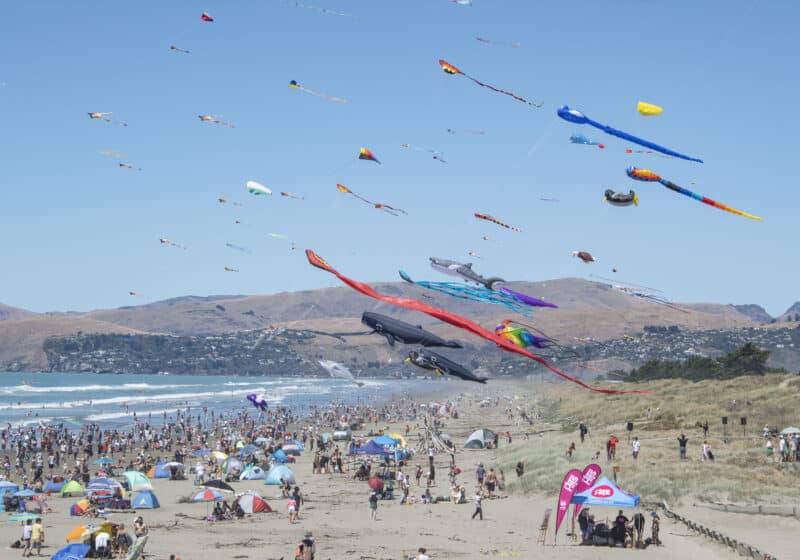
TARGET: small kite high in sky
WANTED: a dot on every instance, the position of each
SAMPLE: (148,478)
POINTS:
(231,269)
(494,220)
(215,120)
(585,256)
(450,69)
(576,117)
(223,200)
(235,247)
(456,132)
(339,371)
(647,175)
(648,109)
(177,49)
(104,117)
(129,166)
(165,241)
(291,195)
(621,199)
(257,188)
(385,207)
(294,85)
(205,17)
(501,43)
(578,138)
(365,154)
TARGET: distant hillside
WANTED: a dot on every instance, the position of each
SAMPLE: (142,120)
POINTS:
(586,310)
(755,312)
(791,314)
(7,312)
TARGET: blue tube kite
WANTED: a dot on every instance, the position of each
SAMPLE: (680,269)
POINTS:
(575,116)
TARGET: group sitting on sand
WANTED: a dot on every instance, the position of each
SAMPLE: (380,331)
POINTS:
(623,532)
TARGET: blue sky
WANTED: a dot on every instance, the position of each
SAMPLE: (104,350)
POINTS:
(79,233)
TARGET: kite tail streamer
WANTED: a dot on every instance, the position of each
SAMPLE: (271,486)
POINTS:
(510,94)
(709,201)
(452,319)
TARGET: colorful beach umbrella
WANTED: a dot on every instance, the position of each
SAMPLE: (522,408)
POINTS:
(103,461)
(201,453)
(207,495)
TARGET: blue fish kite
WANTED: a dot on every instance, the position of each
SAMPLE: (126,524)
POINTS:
(575,116)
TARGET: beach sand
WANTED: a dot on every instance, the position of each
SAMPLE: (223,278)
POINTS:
(336,511)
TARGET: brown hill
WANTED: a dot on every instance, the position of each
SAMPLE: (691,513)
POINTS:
(21,339)
(7,312)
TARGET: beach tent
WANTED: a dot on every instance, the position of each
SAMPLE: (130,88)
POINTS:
(291,449)
(385,441)
(6,487)
(299,444)
(606,493)
(790,431)
(79,507)
(51,486)
(279,457)
(370,448)
(253,503)
(399,438)
(137,481)
(478,439)
(72,552)
(278,472)
(72,488)
(253,472)
(145,500)
(232,465)
(160,470)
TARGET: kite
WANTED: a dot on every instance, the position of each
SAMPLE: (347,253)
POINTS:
(474,254)
(648,109)
(466,131)
(239,248)
(339,371)
(639,286)
(257,402)
(550,199)
(109,153)
(318,9)
(641,294)
(257,188)
(395,330)
(215,120)
(462,2)
(279,235)
(463,271)
(451,319)
(294,85)
(174,48)
(489,218)
(576,117)
(104,117)
(205,17)
(526,299)
(133,293)
(129,166)
(620,198)
(292,195)
(437,155)
(647,175)
(231,269)
(503,43)
(487,238)
(223,200)
(651,152)
(521,337)
(581,139)
(385,207)
(478,294)
(165,241)
(585,256)
(427,359)
(365,154)
(450,69)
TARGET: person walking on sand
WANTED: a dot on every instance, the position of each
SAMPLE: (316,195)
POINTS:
(373,505)
(27,535)
(478,503)
(37,536)
(480,473)
(635,446)
(291,507)
(491,482)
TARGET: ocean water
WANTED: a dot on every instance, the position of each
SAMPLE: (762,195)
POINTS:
(111,399)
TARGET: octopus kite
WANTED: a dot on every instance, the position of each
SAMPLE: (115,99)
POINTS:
(294,85)
(523,338)
(576,117)
(385,207)
(494,220)
(647,175)
(451,319)
(450,69)
(621,199)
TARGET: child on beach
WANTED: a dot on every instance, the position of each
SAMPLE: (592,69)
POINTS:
(478,503)
(291,507)
(373,505)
